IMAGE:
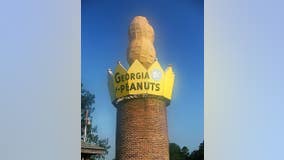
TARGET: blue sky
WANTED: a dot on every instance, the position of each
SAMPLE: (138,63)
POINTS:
(179,30)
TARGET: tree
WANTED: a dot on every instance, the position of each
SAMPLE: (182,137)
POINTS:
(198,154)
(177,153)
(87,109)
(185,153)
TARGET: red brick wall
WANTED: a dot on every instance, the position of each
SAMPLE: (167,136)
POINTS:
(142,132)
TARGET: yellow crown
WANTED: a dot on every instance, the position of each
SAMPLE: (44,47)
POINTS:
(138,80)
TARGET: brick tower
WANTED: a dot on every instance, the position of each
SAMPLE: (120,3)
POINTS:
(141,95)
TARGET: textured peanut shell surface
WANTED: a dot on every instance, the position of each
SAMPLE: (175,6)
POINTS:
(141,39)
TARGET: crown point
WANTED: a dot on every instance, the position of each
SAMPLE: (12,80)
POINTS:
(109,71)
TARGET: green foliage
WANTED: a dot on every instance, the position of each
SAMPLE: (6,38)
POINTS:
(177,153)
(185,153)
(198,154)
(87,101)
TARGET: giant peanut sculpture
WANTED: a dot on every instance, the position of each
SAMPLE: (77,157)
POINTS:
(141,39)
(141,95)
